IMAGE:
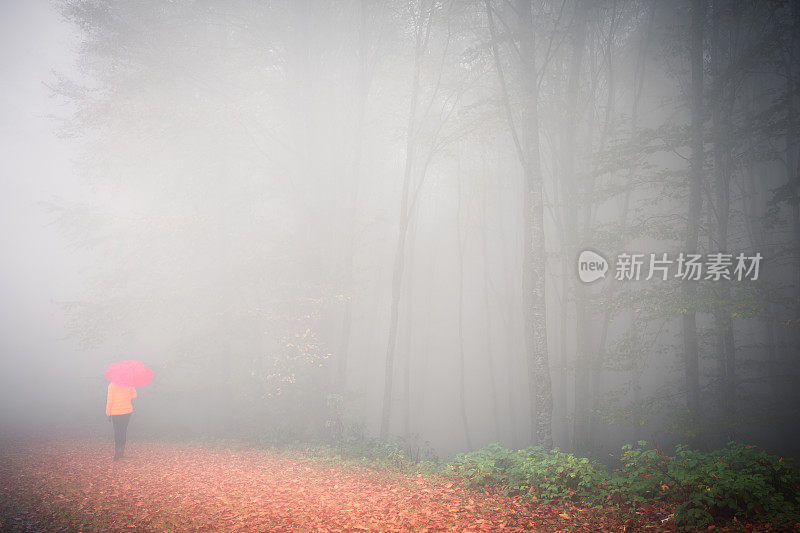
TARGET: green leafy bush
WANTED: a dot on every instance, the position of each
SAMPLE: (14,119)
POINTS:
(642,475)
(544,474)
(494,466)
(737,481)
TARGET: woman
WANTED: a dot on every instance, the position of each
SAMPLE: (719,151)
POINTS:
(118,410)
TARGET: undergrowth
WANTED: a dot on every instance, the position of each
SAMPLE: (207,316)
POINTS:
(736,482)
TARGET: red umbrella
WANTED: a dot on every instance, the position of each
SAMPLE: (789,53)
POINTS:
(129,373)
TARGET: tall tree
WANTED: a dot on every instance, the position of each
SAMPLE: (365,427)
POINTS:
(724,95)
(422,29)
(689,323)
(571,213)
(462,385)
(526,142)
(365,56)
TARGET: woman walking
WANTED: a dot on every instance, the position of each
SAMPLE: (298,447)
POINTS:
(118,409)
(124,376)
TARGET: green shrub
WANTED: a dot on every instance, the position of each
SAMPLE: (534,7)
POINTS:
(642,475)
(737,481)
(494,466)
(534,471)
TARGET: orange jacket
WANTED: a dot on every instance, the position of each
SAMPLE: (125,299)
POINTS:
(119,400)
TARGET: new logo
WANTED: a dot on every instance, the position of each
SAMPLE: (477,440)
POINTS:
(591,266)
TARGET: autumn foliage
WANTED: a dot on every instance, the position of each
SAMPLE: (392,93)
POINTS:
(75,485)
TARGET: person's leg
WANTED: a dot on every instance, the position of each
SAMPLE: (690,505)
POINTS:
(124,423)
(120,431)
(116,419)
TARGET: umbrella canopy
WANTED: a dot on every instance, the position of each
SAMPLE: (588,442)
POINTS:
(129,373)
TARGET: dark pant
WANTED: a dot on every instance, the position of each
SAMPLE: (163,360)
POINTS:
(120,431)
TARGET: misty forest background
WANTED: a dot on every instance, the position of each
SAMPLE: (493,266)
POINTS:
(332,220)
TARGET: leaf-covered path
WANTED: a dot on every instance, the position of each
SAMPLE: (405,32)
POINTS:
(164,486)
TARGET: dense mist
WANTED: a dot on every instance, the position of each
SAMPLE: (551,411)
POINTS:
(333,221)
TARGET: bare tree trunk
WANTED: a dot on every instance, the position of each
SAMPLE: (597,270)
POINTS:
(462,400)
(507,313)
(580,433)
(534,259)
(488,322)
(792,144)
(422,379)
(423,28)
(533,283)
(689,323)
(362,91)
(724,95)
(561,424)
(409,328)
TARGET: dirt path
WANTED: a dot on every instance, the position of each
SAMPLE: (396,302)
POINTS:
(159,486)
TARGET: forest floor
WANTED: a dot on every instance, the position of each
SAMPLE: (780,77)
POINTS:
(74,485)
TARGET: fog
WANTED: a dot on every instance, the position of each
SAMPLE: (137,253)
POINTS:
(325,221)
